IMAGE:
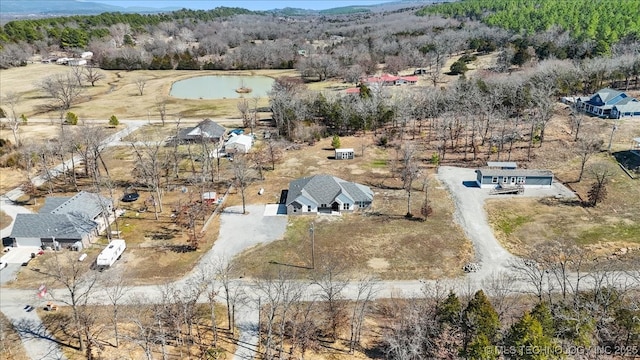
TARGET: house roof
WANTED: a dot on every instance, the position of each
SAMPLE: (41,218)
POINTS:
(355,90)
(63,226)
(637,140)
(51,203)
(323,189)
(207,129)
(629,106)
(245,140)
(608,94)
(86,203)
(503,164)
(515,172)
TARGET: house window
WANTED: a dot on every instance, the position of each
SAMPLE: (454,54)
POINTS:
(505,179)
(323,205)
(309,208)
(345,206)
(521,180)
(494,180)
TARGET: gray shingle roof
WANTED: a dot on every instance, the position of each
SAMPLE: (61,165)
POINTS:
(207,128)
(323,189)
(515,172)
(51,203)
(63,226)
(607,94)
(86,203)
(62,217)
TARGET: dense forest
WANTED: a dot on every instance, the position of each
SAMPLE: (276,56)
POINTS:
(604,21)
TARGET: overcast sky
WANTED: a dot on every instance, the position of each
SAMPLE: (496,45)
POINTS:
(247,4)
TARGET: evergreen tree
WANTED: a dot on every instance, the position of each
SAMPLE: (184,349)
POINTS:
(335,142)
(113,121)
(542,313)
(480,324)
(71,118)
(450,309)
(526,340)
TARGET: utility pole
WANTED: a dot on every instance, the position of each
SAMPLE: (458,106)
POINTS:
(313,246)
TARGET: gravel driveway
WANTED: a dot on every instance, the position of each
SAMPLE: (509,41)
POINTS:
(470,214)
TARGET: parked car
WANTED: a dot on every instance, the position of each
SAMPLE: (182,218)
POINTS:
(3,265)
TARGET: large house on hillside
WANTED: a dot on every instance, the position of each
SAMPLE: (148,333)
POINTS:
(326,194)
(609,103)
(65,220)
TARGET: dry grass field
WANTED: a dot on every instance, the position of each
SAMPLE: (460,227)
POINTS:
(118,93)
(10,345)
(380,241)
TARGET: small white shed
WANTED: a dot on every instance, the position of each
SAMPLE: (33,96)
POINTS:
(344,154)
(238,144)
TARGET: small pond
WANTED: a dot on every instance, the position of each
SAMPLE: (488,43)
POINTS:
(221,87)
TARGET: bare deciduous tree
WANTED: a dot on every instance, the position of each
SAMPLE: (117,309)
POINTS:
(601,172)
(68,272)
(330,279)
(92,75)
(63,88)
(242,176)
(12,99)
(140,84)
(409,172)
(585,147)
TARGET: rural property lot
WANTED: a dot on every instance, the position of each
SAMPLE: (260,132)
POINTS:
(380,241)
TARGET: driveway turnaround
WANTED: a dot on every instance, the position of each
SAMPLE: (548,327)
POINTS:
(470,214)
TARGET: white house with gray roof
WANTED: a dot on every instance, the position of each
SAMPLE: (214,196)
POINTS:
(65,220)
(326,194)
(610,103)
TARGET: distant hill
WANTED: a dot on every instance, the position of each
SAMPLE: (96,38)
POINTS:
(67,7)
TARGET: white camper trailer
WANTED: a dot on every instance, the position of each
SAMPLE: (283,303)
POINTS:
(111,253)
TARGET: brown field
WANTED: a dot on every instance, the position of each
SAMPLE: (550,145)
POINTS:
(118,94)
(5,219)
(380,241)
(10,344)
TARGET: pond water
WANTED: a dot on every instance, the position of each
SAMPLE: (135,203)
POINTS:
(221,87)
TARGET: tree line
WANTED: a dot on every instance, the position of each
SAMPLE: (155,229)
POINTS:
(78,30)
(604,22)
